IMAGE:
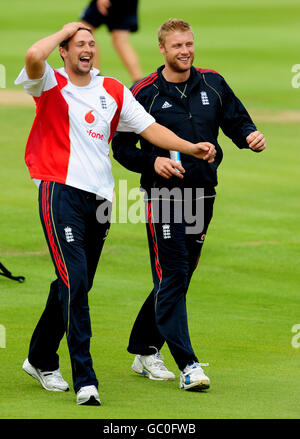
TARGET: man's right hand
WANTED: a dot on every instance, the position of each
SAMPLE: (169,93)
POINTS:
(71,28)
(166,167)
(204,151)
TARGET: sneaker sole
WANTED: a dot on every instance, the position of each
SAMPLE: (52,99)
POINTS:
(147,374)
(91,401)
(196,387)
(32,372)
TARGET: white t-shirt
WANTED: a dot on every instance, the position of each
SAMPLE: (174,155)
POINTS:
(70,136)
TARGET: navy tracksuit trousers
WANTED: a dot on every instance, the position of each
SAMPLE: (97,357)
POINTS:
(174,255)
(75,239)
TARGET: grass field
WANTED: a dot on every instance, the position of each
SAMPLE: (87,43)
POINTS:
(244,297)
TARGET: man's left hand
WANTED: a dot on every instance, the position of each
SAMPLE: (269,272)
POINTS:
(256,141)
(204,151)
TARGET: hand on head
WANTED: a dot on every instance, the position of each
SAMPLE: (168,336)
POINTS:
(73,27)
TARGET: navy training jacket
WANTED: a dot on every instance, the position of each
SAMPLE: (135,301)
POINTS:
(195,111)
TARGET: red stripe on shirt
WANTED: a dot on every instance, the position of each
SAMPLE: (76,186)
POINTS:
(147,81)
(116,90)
(48,147)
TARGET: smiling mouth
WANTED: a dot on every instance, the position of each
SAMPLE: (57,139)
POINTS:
(85,60)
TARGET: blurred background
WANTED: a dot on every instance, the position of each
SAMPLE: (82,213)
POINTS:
(244,297)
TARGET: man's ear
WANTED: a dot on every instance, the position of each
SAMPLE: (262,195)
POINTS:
(161,48)
(62,52)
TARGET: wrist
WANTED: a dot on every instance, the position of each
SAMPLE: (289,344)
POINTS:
(188,148)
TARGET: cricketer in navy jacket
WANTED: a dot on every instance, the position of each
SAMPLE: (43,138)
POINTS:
(194,110)
(194,113)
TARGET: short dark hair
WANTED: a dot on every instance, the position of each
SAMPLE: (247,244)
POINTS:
(65,43)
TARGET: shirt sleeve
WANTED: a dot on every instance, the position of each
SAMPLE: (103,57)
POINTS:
(35,87)
(133,116)
(236,123)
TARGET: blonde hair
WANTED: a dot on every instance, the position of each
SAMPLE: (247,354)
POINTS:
(172,25)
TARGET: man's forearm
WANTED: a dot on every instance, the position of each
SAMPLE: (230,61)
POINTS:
(44,47)
(37,54)
(164,138)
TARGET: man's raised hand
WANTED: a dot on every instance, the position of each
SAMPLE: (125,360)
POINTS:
(72,28)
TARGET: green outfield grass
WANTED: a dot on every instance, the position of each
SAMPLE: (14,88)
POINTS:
(244,297)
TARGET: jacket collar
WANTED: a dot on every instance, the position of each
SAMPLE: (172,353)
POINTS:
(193,80)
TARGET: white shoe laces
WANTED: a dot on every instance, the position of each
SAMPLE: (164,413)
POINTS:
(157,359)
(192,369)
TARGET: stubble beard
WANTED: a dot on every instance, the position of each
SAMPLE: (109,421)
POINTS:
(178,68)
(79,71)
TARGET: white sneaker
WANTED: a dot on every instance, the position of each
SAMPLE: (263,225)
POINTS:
(51,380)
(152,366)
(194,378)
(88,395)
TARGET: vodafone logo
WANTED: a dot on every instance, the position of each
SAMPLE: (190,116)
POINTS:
(91,119)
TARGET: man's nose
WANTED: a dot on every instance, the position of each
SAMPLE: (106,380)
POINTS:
(87,47)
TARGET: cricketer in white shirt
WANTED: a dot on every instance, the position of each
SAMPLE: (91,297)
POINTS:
(70,136)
